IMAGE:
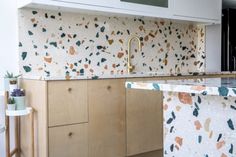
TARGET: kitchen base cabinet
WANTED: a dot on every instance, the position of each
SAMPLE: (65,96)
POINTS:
(106,100)
(91,118)
(144,118)
(68,141)
(60,118)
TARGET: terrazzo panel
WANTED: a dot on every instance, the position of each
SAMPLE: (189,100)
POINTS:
(199,126)
(69,45)
(203,86)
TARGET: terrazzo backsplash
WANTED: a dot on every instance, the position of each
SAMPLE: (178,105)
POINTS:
(68,45)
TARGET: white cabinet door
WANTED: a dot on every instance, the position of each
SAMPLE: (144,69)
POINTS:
(105,3)
(124,7)
(205,9)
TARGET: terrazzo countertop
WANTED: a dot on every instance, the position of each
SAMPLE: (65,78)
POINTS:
(204,86)
(124,75)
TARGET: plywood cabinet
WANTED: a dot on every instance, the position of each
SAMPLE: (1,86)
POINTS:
(67,102)
(69,141)
(91,118)
(144,121)
(106,100)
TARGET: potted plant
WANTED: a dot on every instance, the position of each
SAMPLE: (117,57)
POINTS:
(19,97)
(11,80)
(11,105)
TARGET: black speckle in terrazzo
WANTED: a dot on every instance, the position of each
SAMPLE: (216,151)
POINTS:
(102,29)
(52,17)
(30,33)
(172,148)
(171,129)
(219,137)
(44,30)
(20,44)
(46,15)
(231,150)
(173,115)
(199,100)
(53,44)
(232,107)
(195,112)
(169,121)
(230,124)
(34,12)
(78,43)
(103,60)
(23,55)
(199,139)
(27,68)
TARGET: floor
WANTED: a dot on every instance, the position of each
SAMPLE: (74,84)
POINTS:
(158,153)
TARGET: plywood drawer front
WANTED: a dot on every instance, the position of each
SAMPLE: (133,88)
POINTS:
(67,102)
(69,141)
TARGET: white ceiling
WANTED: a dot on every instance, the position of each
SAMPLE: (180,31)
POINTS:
(229,3)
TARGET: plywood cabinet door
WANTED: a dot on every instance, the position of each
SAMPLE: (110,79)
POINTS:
(144,121)
(106,118)
(67,102)
(69,141)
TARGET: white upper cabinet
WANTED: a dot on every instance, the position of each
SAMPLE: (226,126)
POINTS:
(198,9)
(202,11)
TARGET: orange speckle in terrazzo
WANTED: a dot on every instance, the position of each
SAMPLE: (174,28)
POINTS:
(120,54)
(185,98)
(198,88)
(71,66)
(178,108)
(198,125)
(210,134)
(207,124)
(48,59)
(223,155)
(220,144)
(179,140)
(110,41)
(85,66)
(72,50)
(165,107)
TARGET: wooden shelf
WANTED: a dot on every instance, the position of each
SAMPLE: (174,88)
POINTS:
(2,128)
(25,112)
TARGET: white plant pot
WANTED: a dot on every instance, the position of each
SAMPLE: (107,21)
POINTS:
(12,87)
(11,107)
(7,83)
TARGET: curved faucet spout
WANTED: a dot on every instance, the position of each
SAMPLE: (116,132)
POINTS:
(131,67)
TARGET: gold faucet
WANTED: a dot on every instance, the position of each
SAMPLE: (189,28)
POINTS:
(130,66)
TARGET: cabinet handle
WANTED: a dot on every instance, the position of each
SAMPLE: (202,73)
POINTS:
(108,87)
(70,134)
(69,89)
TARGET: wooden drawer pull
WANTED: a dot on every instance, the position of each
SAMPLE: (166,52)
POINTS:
(108,87)
(69,89)
(70,134)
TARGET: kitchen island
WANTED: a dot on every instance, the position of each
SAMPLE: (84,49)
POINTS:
(199,116)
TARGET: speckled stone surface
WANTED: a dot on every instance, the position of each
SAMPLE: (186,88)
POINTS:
(206,86)
(199,116)
(69,45)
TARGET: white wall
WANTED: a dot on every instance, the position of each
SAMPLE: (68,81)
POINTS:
(8,50)
(213,48)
